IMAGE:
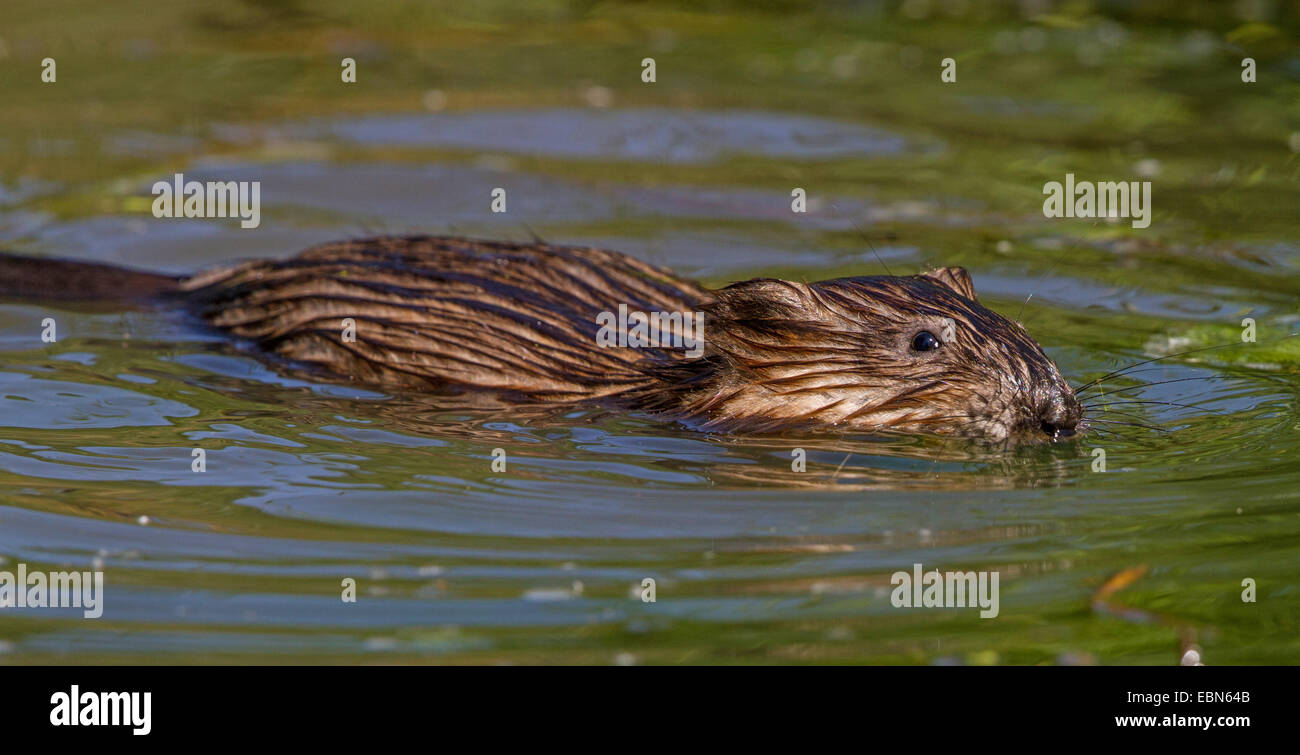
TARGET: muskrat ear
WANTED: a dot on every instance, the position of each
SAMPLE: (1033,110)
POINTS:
(955,278)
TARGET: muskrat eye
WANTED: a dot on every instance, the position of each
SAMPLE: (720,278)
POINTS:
(925,341)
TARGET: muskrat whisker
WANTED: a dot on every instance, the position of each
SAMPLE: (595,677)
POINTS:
(841,466)
(1041,278)
(1161,403)
(1123,370)
(1132,415)
(537,239)
(865,238)
(1148,384)
(1133,424)
(1147,369)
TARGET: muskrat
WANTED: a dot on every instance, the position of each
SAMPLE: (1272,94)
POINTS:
(911,353)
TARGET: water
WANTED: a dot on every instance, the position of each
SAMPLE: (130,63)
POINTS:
(308,484)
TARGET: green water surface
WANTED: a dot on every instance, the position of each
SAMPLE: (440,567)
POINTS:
(308,484)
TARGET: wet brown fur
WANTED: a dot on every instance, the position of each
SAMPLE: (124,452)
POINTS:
(455,315)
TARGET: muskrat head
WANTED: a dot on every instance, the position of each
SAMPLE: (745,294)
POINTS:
(911,353)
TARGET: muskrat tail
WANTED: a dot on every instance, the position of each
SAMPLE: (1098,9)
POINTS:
(43,279)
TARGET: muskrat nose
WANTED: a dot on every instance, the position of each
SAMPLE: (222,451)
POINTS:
(1057,431)
(1060,415)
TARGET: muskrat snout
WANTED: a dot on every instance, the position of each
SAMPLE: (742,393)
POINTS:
(1060,414)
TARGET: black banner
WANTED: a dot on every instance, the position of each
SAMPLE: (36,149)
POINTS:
(187,705)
